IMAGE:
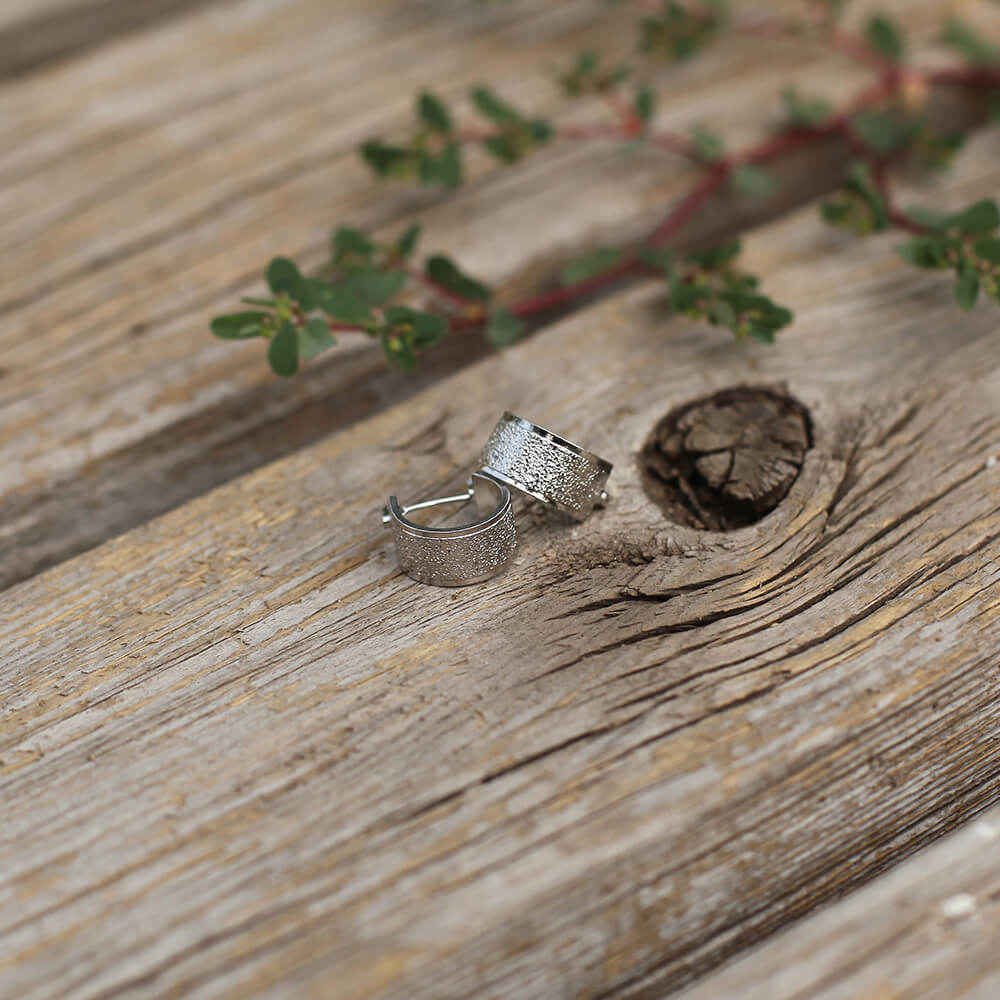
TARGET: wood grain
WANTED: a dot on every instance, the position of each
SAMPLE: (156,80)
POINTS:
(242,755)
(927,931)
(34,33)
(144,187)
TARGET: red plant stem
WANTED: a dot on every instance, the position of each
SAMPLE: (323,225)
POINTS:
(886,87)
(630,264)
(715,178)
(630,122)
(880,177)
(851,45)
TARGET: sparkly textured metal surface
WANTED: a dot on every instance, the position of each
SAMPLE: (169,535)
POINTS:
(545,466)
(456,557)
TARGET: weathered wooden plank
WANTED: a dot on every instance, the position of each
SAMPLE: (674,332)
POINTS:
(33,33)
(248,756)
(928,930)
(144,187)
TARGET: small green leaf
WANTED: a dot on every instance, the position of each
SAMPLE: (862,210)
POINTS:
(351,247)
(283,351)
(252,301)
(373,286)
(969,42)
(590,264)
(504,328)
(283,277)
(721,313)
(494,107)
(314,338)
(503,148)
(760,331)
(386,160)
(433,113)
(343,303)
(884,36)
(240,326)
(761,317)
(928,252)
(716,258)
(406,330)
(444,167)
(978,219)
(966,286)
(835,212)
(804,111)
(539,131)
(707,144)
(398,349)
(987,250)
(421,329)
(678,31)
(407,243)
(581,79)
(753,181)
(444,272)
(644,105)
(883,132)
(928,217)
(933,150)
(684,296)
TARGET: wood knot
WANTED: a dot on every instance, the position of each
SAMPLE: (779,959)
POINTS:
(727,460)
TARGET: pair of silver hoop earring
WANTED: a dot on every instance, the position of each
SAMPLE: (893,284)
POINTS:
(519,455)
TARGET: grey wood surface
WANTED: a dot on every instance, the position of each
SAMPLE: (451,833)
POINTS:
(35,33)
(145,184)
(927,931)
(249,758)
(241,755)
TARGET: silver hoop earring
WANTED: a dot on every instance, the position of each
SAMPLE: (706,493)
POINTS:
(454,557)
(545,466)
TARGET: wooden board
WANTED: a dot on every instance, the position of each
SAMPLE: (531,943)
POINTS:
(928,930)
(145,185)
(242,755)
(33,33)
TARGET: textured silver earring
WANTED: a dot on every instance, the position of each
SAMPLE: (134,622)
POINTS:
(454,557)
(544,466)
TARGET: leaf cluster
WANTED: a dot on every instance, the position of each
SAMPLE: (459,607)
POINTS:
(858,206)
(361,292)
(433,153)
(368,286)
(678,30)
(964,242)
(707,285)
(588,76)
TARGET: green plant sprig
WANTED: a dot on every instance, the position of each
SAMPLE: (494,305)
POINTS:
(379,290)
